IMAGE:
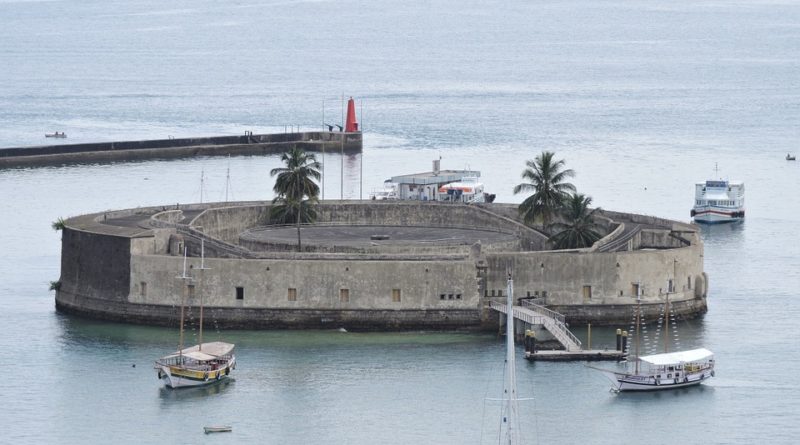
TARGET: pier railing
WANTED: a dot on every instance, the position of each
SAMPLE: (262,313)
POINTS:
(537,315)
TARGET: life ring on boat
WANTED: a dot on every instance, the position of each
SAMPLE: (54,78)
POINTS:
(702,376)
(219,374)
(159,374)
(712,373)
(205,376)
(658,382)
(227,371)
(686,380)
(676,381)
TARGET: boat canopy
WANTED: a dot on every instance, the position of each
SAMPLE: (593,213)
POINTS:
(671,358)
(213,349)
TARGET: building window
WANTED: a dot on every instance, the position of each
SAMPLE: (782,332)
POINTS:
(587,292)
(292,294)
(635,289)
(395,295)
(344,295)
(689,282)
(143,289)
(239,293)
(670,285)
(190,290)
(450,296)
(500,292)
(442,296)
(458,296)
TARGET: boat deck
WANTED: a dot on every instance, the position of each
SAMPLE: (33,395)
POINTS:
(579,355)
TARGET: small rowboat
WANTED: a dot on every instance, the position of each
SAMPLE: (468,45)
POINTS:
(55,135)
(218,429)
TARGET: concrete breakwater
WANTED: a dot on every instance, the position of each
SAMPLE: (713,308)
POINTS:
(247,144)
(122,265)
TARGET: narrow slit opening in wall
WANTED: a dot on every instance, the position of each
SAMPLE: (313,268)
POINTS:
(395,295)
(143,289)
(292,294)
(239,293)
(344,295)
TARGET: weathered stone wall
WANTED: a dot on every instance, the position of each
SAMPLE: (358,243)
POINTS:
(95,264)
(612,276)
(125,272)
(248,144)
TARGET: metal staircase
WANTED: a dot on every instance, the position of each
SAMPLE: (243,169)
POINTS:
(535,314)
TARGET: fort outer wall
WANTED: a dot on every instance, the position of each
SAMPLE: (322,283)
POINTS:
(128,274)
(248,144)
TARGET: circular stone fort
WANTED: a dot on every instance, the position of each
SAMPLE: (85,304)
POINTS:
(369,265)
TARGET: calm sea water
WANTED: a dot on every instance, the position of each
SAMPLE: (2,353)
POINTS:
(642,99)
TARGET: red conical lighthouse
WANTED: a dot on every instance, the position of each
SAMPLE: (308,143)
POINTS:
(352,123)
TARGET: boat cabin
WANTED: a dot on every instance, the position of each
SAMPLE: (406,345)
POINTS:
(432,186)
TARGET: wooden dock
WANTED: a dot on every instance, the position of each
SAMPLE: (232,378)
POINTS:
(582,355)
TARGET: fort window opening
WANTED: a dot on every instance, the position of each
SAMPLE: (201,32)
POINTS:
(587,292)
(239,293)
(344,295)
(450,296)
(635,289)
(689,282)
(670,286)
(395,295)
(190,290)
(292,294)
(458,296)
(441,296)
(143,289)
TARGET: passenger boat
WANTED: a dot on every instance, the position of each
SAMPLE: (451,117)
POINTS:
(718,201)
(55,135)
(466,190)
(656,372)
(789,157)
(197,365)
(388,192)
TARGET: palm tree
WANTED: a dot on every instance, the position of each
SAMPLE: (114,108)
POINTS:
(297,179)
(58,224)
(286,210)
(295,189)
(578,228)
(546,178)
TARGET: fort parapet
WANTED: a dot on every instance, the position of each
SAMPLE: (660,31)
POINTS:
(435,266)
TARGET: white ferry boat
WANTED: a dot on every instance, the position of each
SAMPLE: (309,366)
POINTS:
(718,201)
(468,189)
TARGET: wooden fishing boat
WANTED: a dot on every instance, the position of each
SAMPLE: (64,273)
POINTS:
(218,429)
(197,365)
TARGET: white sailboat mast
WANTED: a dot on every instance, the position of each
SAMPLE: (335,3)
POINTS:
(512,405)
(184,293)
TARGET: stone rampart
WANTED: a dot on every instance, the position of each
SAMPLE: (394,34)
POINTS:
(117,267)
